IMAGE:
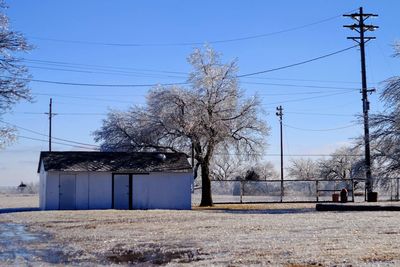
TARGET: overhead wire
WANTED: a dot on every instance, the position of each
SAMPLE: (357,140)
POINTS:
(128,70)
(94,84)
(179,83)
(319,95)
(288,155)
(64,113)
(297,64)
(303,86)
(38,133)
(128,74)
(321,114)
(321,130)
(55,142)
(84,98)
(305,98)
(98,67)
(250,37)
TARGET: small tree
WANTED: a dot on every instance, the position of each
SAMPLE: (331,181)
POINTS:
(260,171)
(225,166)
(211,114)
(13,75)
(303,169)
(344,163)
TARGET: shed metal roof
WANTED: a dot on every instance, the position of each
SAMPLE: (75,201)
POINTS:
(132,162)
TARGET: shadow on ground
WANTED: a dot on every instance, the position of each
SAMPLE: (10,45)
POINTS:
(10,210)
(267,211)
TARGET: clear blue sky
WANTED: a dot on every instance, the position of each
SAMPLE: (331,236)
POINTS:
(170,22)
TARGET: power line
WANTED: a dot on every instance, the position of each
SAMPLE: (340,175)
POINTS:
(67,113)
(302,80)
(129,74)
(188,43)
(45,135)
(105,114)
(321,114)
(321,130)
(55,142)
(298,63)
(96,84)
(98,67)
(305,98)
(304,86)
(169,76)
(289,155)
(89,97)
(266,104)
(127,70)
(178,83)
(85,98)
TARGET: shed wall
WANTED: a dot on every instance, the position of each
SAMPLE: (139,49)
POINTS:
(42,188)
(100,190)
(94,190)
(82,191)
(162,191)
(52,190)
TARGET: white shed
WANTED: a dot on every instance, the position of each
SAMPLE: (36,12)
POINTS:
(114,180)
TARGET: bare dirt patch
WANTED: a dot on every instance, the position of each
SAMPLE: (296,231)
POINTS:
(153,254)
(222,237)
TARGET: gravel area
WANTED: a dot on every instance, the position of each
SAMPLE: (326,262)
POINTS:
(214,237)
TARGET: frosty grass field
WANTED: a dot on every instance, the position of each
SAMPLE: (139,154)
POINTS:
(274,234)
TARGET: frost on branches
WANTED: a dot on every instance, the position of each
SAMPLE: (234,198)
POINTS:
(211,114)
(13,76)
(385,136)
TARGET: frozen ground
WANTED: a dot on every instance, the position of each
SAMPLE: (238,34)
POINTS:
(8,201)
(286,235)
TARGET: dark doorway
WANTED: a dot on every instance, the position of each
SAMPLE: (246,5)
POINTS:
(67,191)
(122,191)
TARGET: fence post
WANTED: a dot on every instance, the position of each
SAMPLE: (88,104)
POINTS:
(241,191)
(316,190)
(352,190)
(365,192)
(391,189)
(397,189)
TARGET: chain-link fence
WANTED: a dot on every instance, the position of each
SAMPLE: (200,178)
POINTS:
(265,191)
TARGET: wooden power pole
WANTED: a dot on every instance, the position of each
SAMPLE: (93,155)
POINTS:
(361,27)
(279,113)
(51,114)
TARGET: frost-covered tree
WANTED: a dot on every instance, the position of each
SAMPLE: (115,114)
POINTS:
(303,169)
(13,75)
(226,166)
(260,171)
(211,114)
(344,163)
(385,134)
(237,167)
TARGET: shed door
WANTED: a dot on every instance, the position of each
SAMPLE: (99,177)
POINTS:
(67,191)
(122,191)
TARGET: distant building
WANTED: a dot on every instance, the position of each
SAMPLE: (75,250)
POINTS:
(114,180)
(21,187)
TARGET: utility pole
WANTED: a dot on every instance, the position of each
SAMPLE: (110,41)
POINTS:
(51,114)
(361,28)
(279,113)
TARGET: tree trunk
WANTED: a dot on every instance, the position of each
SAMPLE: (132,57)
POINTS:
(206,198)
